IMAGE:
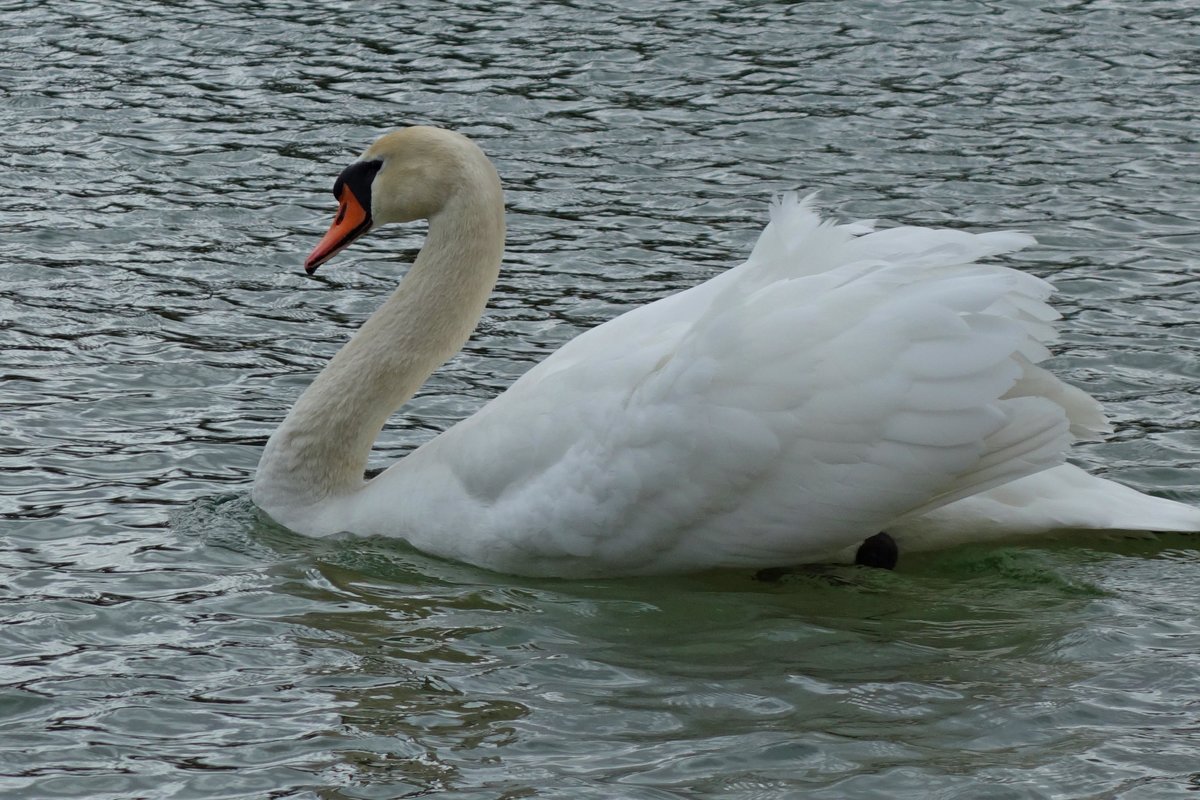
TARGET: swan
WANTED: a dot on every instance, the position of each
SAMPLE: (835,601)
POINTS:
(840,382)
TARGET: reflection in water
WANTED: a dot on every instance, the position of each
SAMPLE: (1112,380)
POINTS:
(166,170)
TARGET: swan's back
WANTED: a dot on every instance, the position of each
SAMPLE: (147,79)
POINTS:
(837,381)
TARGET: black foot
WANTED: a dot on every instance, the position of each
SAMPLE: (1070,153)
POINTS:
(878,551)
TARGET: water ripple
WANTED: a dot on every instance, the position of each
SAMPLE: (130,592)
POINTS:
(168,165)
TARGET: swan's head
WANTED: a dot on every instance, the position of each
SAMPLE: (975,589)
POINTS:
(405,175)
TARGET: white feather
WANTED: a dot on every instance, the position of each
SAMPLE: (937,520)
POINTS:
(800,402)
(840,382)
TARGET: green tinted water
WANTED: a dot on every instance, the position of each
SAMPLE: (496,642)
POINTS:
(166,169)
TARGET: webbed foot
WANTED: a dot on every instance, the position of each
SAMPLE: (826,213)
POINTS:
(879,551)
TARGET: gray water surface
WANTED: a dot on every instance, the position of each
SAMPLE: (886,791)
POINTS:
(166,169)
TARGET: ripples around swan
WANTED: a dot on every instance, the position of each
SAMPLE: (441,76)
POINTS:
(167,167)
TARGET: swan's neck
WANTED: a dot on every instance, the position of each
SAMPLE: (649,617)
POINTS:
(321,449)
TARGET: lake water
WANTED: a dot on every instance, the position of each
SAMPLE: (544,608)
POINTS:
(166,169)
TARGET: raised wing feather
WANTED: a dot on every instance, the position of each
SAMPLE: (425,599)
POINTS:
(793,405)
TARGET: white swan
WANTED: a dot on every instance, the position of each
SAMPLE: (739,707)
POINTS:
(838,383)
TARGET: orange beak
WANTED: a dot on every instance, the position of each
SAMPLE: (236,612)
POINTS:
(351,222)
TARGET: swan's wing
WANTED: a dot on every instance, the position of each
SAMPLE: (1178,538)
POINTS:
(794,405)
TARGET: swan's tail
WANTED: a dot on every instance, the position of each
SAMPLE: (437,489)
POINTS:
(1059,500)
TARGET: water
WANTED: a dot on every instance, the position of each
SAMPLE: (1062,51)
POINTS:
(166,169)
